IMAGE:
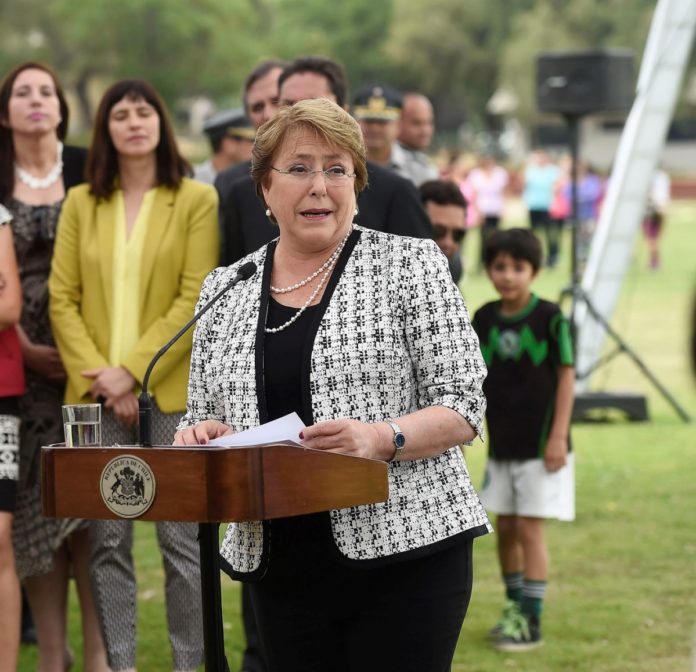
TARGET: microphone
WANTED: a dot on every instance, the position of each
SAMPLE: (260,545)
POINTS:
(145,400)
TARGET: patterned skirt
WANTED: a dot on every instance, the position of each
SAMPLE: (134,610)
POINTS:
(36,538)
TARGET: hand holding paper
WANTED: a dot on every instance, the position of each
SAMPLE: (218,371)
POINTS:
(287,428)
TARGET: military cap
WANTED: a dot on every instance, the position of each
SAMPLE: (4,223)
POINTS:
(233,123)
(377,102)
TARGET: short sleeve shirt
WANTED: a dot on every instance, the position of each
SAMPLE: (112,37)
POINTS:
(522,353)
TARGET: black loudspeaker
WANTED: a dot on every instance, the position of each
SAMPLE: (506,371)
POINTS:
(582,82)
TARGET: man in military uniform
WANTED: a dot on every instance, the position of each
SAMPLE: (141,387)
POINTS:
(231,138)
(378,109)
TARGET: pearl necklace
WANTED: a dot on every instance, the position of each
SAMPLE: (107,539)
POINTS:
(328,265)
(329,262)
(42,182)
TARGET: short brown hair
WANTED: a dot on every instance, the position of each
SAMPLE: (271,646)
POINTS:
(6,145)
(330,122)
(442,192)
(330,70)
(102,160)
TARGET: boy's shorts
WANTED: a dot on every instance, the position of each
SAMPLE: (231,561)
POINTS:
(526,488)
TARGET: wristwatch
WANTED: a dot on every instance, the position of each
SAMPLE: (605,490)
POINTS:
(399,441)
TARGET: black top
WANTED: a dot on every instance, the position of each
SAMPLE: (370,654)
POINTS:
(283,353)
(522,353)
(389,203)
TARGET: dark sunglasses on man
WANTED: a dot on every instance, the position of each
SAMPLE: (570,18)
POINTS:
(440,231)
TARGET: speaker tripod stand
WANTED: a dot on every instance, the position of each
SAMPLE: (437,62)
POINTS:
(634,405)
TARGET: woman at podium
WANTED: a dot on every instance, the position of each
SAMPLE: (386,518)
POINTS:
(365,336)
(133,246)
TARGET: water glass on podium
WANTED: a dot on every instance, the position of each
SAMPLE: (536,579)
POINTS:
(82,425)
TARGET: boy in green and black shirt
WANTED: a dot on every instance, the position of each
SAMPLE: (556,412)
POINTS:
(527,347)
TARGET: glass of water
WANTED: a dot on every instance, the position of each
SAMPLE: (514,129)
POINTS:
(82,425)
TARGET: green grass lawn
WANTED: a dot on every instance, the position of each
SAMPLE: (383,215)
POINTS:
(623,575)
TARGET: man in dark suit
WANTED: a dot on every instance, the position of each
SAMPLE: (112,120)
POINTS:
(389,203)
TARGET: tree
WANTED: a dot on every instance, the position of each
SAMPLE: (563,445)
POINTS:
(181,46)
(449,49)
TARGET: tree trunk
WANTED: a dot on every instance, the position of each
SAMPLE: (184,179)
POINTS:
(82,93)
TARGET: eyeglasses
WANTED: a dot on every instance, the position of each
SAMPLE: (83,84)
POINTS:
(440,231)
(333,175)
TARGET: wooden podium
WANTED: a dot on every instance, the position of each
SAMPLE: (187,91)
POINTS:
(208,485)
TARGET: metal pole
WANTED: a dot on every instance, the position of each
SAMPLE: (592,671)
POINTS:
(211,598)
(681,412)
(574,132)
(572,121)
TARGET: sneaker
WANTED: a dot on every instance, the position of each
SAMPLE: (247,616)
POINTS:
(520,633)
(510,609)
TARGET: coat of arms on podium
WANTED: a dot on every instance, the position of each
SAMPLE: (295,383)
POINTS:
(127,486)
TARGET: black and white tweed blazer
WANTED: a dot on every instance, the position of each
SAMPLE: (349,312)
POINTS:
(395,338)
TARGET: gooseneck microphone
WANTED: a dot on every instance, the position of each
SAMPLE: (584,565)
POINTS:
(145,400)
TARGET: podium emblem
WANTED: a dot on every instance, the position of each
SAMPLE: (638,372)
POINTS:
(127,486)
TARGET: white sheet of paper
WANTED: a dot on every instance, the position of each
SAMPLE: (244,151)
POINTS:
(283,429)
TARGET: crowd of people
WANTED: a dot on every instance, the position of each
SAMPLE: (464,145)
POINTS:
(352,321)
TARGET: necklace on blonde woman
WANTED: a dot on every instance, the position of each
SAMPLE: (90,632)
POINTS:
(329,262)
(327,267)
(42,182)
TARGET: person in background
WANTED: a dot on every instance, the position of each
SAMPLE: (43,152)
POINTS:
(134,244)
(458,172)
(373,312)
(416,129)
(11,389)
(378,109)
(529,476)
(540,177)
(231,137)
(560,211)
(260,98)
(36,171)
(590,192)
(489,181)
(658,200)
(446,208)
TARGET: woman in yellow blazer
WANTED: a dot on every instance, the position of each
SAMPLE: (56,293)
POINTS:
(132,249)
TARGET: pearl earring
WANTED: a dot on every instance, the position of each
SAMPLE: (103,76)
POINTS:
(355,214)
(268,212)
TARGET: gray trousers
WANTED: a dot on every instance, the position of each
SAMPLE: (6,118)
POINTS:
(113,574)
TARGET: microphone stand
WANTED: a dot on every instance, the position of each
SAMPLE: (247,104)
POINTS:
(208,533)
